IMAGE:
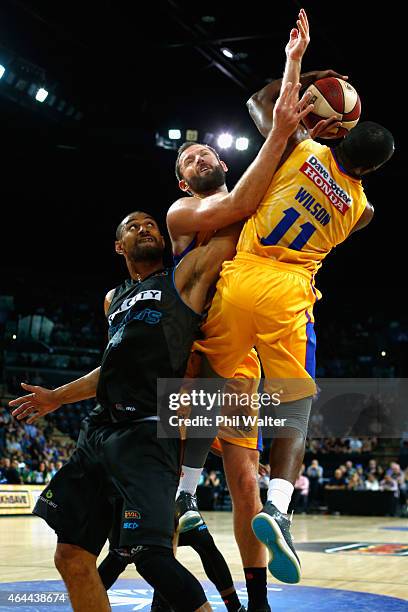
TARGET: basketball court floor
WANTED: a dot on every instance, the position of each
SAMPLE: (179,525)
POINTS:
(349,563)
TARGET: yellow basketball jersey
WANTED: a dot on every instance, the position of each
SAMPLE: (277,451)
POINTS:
(311,206)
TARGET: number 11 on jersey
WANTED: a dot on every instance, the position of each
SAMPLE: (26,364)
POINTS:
(291,215)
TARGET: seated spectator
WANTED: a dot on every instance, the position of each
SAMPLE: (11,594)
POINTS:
(355,445)
(301,492)
(372,484)
(40,476)
(337,481)
(350,469)
(315,475)
(214,482)
(389,484)
(9,472)
(355,483)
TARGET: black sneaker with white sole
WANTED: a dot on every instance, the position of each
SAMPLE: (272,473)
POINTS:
(187,512)
(272,528)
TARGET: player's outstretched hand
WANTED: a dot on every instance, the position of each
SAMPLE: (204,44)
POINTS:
(38,402)
(289,110)
(299,38)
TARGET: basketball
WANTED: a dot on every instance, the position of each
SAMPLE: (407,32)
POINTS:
(333,96)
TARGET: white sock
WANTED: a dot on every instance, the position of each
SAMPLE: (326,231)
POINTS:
(189,479)
(280,493)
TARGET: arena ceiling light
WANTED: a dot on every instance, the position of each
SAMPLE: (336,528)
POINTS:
(174,134)
(2,70)
(224,141)
(227,52)
(241,143)
(41,94)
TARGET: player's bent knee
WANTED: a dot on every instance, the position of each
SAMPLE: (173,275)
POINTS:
(296,415)
(158,566)
(73,560)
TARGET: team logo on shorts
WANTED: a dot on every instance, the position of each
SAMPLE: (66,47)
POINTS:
(132,514)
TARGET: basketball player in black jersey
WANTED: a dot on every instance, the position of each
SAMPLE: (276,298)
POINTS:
(153,317)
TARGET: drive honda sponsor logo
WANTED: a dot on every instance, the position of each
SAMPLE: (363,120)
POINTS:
(320,176)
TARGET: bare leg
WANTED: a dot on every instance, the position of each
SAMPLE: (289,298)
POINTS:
(286,456)
(78,570)
(241,470)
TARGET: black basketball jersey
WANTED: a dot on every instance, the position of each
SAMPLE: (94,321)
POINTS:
(151,331)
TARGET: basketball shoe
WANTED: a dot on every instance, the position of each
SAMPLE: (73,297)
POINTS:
(272,528)
(187,512)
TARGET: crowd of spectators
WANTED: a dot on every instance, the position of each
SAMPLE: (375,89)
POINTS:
(30,454)
(313,481)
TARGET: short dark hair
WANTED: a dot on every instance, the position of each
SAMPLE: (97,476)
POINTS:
(185,146)
(119,229)
(368,145)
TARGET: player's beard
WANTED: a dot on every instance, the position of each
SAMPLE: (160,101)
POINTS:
(147,251)
(208,182)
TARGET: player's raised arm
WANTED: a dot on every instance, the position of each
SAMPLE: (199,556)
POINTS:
(221,209)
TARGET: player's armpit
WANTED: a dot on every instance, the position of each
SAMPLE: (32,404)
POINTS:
(198,272)
(365,218)
(220,248)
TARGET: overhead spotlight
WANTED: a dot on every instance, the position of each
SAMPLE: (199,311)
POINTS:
(227,52)
(174,134)
(191,135)
(41,94)
(224,141)
(2,70)
(383,354)
(241,143)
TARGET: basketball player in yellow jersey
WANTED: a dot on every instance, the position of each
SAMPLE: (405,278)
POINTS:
(201,172)
(265,296)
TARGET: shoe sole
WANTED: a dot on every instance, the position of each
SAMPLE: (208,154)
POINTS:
(283,564)
(190,520)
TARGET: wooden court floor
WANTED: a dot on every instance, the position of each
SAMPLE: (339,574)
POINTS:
(27,547)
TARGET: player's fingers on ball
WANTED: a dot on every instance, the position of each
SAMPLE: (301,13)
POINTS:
(306,111)
(305,99)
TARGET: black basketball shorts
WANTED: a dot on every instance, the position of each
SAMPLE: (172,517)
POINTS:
(110,460)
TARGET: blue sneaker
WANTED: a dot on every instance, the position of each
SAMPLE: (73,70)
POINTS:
(272,528)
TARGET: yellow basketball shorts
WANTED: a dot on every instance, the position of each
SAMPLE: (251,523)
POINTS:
(267,304)
(245,381)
